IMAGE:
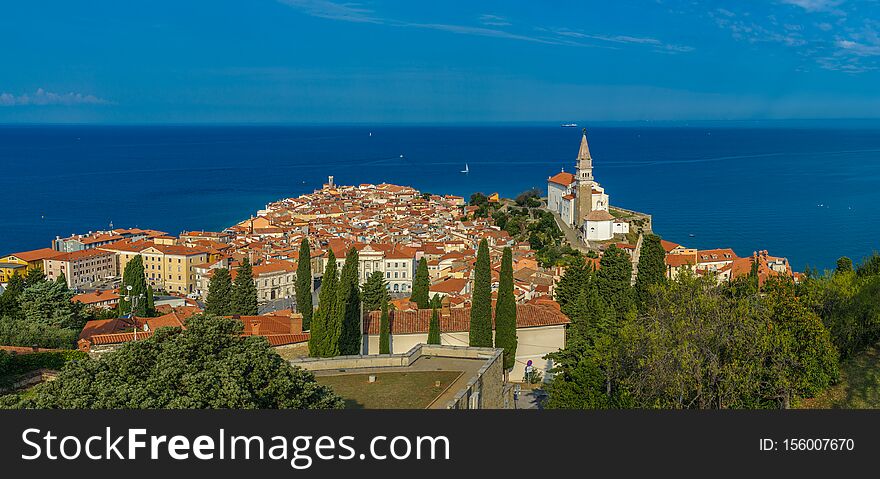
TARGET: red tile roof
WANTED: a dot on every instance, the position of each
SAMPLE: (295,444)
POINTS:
(562,178)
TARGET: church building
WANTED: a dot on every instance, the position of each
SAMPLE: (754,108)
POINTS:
(581,202)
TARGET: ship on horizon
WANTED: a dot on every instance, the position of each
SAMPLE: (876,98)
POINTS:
(569,125)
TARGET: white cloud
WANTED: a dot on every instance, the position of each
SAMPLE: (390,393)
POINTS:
(492,26)
(42,97)
(814,5)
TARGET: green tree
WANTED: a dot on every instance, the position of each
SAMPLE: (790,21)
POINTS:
(133,276)
(480,333)
(49,303)
(323,339)
(613,279)
(34,276)
(844,265)
(304,283)
(434,326)
(652,268)
(384,330)
(61,279)
(505,311)
(421,285)
(573,281)
(219,300)
(151,305)
(208,365)
(244,290)
(375,291)
(9,306)
(348,307)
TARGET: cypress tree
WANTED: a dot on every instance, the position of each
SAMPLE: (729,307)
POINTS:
(436,302)
(652,267)
(375,292)
(151,306)
(613,280)
(244,291)
(384,330)
(219,300)
(348,307)
(480,333)
(304,284)
(421,285)
(133,276)
(572,282)
(505,311)
(319,339)
(434,327)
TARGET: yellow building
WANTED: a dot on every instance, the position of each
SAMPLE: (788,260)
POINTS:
(170,267)
(10,266)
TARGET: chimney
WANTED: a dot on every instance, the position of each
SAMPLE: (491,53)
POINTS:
(255,327)
(296,323)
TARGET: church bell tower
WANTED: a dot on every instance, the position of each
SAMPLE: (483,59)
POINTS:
(584,178)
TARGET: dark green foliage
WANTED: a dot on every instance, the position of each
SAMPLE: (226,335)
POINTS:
(434,326)
(12,365)
(480,333)
(48,303)
(844,265)
(613,279)
(652,268)
(34,276)
(9,299)
(375,291)
(347,316)
(244,291)
(421,285)
(304,284)
(323,341)
(151,306)
(696,345)
(133,276)
(505,311)
(436,302)
(206,366)
(529,199)
(573,281)
(219,300)
(384,330)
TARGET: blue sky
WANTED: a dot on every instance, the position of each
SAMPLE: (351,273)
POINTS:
(319,61)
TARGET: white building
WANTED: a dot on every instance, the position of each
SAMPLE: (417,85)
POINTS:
(581,202)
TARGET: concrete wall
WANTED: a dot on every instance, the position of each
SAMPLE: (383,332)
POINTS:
(532,344)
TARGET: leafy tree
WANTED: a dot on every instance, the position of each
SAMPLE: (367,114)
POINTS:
(61,279)
(9,299)
(209,365)
(844,265)
(375,291)
(133,276)
(304,283)
(384,330)
(323,341)
(244,290)
(421,285)
(434,326)
(505,311)
(480,333)
(652,267)
(219,300)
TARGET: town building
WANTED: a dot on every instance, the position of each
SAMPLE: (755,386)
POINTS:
(82,268)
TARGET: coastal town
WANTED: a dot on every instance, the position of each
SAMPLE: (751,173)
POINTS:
(393,228)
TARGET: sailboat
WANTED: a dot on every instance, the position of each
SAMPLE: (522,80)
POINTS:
(466,169)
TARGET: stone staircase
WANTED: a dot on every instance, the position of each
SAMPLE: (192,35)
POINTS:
(635,260)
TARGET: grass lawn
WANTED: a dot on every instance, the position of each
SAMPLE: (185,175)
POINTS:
(401,390)
(859,386)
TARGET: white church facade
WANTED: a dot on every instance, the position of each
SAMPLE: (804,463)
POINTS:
(581,202)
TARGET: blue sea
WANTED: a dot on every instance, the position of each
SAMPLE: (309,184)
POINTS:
(808,192)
